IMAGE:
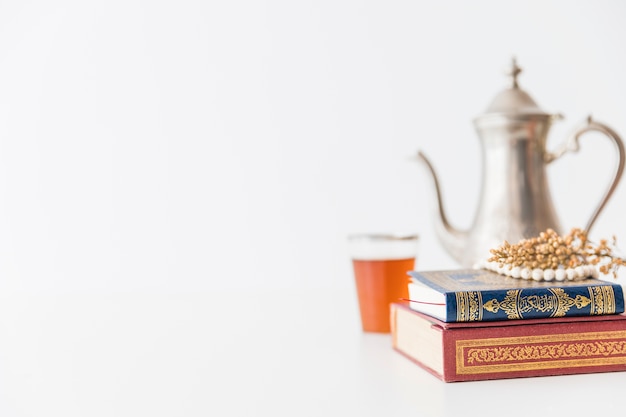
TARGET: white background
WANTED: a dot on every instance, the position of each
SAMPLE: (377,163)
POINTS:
(177,178)
(198,145)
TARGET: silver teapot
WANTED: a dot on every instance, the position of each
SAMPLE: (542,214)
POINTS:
(515,201)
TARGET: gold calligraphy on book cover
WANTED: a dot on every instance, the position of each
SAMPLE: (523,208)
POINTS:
(556,302)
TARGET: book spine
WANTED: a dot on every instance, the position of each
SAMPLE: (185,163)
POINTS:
(532,303)
(534,350)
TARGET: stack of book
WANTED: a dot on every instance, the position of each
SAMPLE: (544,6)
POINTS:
(466,325)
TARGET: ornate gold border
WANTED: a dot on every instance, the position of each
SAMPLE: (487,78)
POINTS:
(571,338)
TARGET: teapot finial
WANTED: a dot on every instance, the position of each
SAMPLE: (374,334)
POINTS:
(514,71)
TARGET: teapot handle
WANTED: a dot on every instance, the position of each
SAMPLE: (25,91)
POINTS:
(572,144)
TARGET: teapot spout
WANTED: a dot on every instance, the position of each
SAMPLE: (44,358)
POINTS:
(452,239)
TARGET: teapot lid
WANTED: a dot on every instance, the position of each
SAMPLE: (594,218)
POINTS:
(513,100)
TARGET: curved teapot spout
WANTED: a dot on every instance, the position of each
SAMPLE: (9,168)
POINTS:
(453,240)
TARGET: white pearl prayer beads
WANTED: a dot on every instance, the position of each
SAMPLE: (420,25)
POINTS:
(537,274)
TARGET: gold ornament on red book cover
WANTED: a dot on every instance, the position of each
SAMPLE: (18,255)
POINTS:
(550,257)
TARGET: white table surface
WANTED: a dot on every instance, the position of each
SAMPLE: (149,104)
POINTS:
(242,354)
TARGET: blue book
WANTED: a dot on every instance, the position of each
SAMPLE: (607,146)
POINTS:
(479,295)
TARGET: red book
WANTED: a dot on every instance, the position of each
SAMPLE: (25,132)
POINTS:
(510,349)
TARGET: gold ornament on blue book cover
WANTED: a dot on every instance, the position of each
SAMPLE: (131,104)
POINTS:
(479,295)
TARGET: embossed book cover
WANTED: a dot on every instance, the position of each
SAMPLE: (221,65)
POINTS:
(468,295)
(510,349)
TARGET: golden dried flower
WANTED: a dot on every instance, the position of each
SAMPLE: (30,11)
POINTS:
(551,251)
